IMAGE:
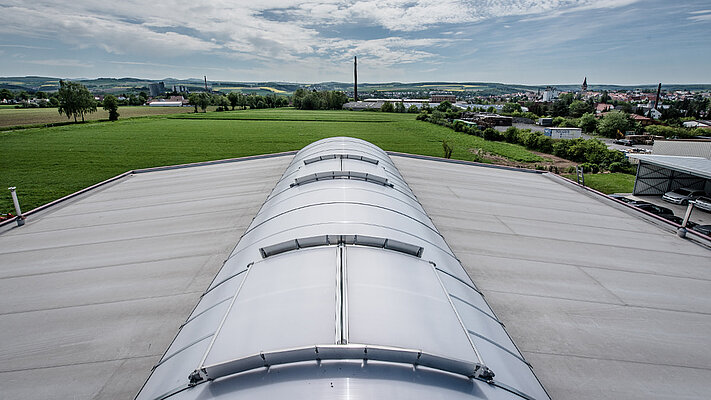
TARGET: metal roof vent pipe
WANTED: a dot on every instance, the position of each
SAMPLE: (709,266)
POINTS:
(20,219)
(681,232)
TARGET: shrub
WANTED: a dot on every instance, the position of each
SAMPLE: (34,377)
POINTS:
(492,134)
(387,107)
(590,168)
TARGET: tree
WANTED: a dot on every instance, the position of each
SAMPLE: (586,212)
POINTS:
(559,108)
(193,100)
(577,108)
(511,107)
(588,123)
(111,105)
(444,106)
(203,101)
(233,97)
(387,107)
(75,100)
(614,122)
(6,94)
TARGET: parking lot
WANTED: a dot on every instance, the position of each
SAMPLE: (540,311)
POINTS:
(699,216)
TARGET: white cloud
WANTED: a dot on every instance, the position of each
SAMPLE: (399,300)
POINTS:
(266,31)
(62,63)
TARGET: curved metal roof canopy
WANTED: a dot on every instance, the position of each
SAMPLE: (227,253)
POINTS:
(342,287)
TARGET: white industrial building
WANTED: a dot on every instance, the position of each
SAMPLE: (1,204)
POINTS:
(563,133)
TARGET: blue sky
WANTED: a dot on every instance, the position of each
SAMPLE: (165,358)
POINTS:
(509,41)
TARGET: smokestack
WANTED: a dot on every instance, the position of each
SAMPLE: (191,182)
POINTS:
(659,92)
(355,77)
(205,76)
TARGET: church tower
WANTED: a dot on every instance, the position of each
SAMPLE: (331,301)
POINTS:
(585,84)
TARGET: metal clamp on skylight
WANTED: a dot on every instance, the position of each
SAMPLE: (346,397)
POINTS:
(341,156)
(342,352)
(322,176)
(326,240)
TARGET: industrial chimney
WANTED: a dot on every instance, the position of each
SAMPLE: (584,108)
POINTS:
(355,78)
(659,92)
(205,76)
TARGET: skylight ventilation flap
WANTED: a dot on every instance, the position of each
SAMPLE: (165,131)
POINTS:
(355,175)
(342,156)
(325,240)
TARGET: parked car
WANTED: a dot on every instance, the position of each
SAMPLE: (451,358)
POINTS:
(623,199)
(679,220)
(654,209)
(703,203)
(682,195)
(624,142)
(705,229)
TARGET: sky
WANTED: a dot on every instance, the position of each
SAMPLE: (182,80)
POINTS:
(537,42)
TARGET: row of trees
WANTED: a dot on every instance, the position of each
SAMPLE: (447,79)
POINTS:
(235,99)
(315,100)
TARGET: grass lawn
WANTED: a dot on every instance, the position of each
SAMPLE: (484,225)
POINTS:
(608,183)
(11,116)
(48,163)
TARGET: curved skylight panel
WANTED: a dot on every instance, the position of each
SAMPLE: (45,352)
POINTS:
(342,281)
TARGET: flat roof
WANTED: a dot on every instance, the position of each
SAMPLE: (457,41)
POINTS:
(698,166)
(602,301)
(94,291)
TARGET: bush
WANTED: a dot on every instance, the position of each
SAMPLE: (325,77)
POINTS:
(422,116)
(387,107)
(590,168)
(492,134)
(623,167)
(413,109)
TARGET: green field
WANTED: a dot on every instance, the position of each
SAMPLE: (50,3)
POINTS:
(11,116)
(48,163)
(608,183)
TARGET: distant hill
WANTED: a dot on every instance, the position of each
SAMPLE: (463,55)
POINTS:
(416,89)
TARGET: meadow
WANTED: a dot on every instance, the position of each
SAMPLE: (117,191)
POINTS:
(15,117)
(48,163)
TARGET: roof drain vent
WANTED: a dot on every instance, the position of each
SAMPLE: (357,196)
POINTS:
(326,240)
